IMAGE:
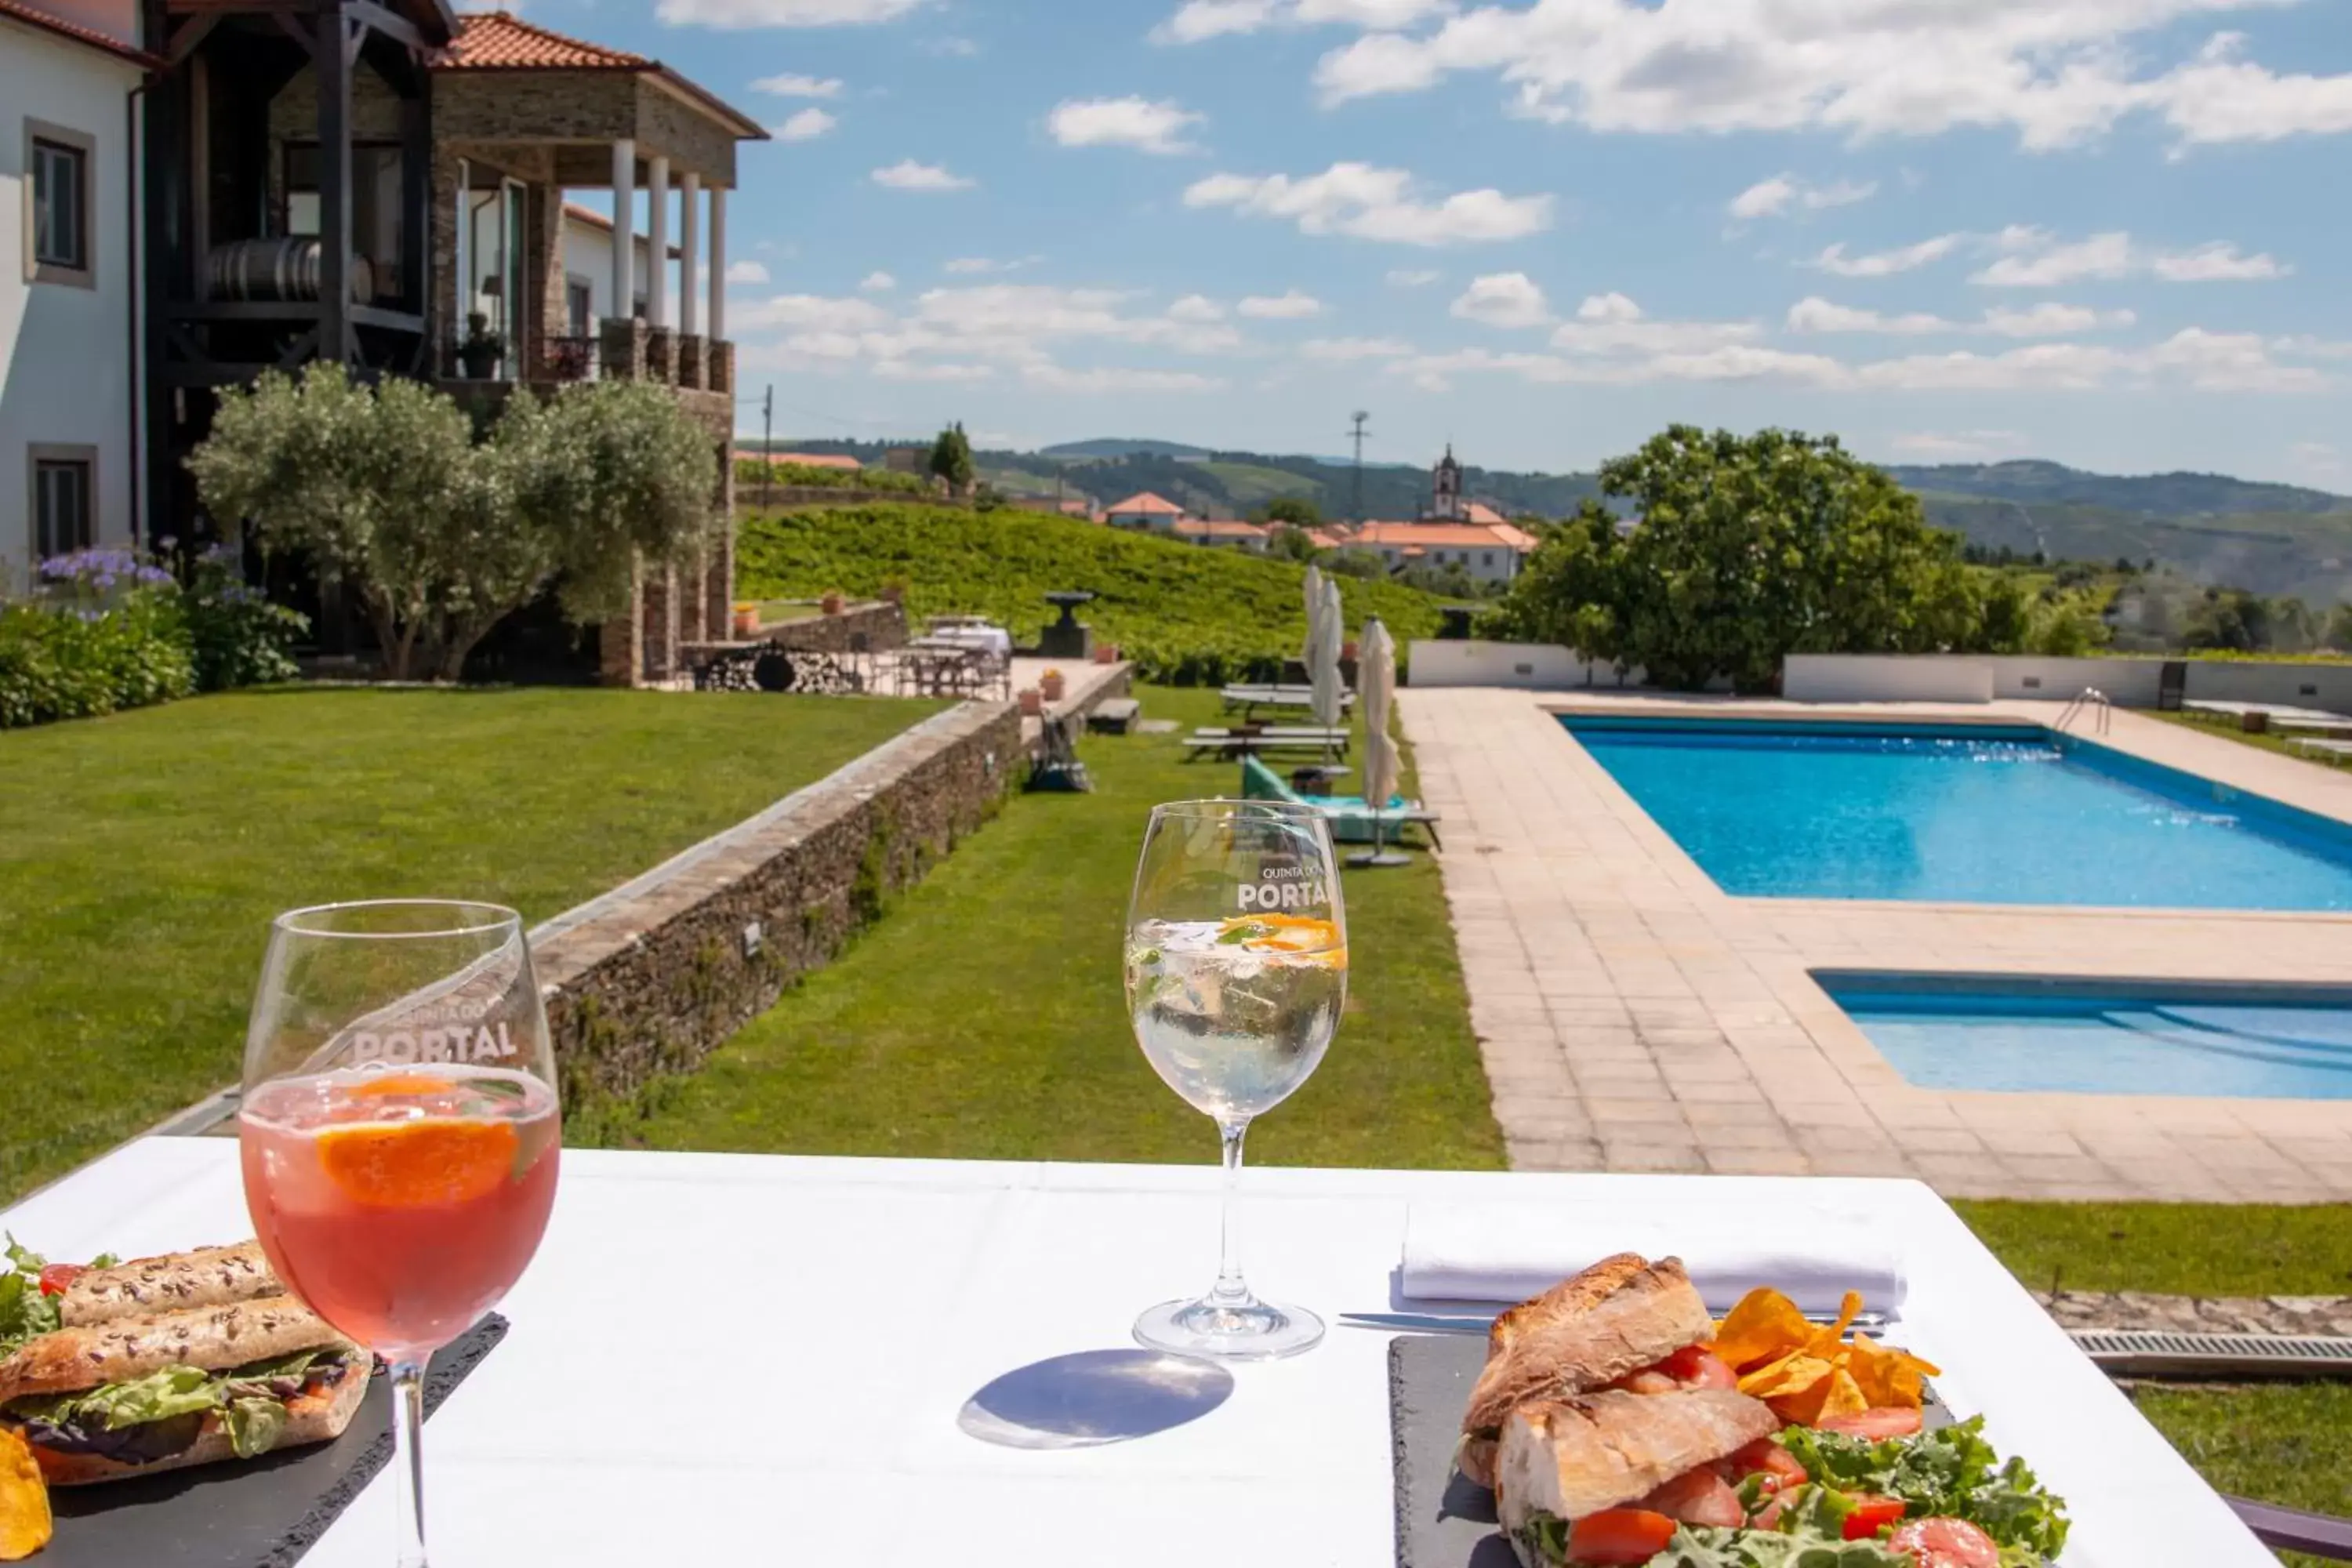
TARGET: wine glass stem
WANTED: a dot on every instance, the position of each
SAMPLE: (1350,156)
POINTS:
(1232,1289)
(408,1459)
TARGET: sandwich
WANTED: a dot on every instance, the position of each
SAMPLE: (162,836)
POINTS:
(1624,1320)
(165,1362)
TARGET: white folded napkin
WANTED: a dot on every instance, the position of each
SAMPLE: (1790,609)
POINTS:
(1508,1252)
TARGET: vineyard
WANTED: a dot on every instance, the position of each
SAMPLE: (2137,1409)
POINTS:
(1185,615)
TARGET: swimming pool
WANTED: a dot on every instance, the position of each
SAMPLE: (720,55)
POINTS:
(2128,1038)
(2001,814)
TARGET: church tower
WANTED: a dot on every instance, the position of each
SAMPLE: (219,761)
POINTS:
(1445,487)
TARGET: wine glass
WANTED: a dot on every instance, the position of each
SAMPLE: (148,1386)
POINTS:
(399,1131)
(1237,971)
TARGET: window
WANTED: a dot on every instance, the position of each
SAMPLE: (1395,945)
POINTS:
(62,502)
(58,241)
(580,306)
(1485,558)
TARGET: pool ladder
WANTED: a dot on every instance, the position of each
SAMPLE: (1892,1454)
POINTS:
(2091,700)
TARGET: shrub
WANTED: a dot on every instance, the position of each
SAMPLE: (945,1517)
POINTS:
(236,635)
(105,633)
(750,470)
(1185,615)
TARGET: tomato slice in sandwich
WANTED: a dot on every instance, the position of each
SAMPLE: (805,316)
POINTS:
(1619,1537)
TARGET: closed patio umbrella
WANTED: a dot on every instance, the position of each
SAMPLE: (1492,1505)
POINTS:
(1323,659)
(1375,690)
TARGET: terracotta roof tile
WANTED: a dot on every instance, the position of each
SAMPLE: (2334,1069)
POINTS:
(33,16)
(498,40)
(1448,535)
(1145,501)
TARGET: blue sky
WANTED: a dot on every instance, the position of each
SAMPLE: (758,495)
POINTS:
(2109,232)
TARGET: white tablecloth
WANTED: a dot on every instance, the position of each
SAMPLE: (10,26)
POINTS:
(986,639)
(731,1359)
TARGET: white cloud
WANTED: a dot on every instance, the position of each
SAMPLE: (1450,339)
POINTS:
(2217,263)
(2305,345)
(1770,198)
(2037,260)
(806,313)
(746,272)
(908,175)
(1197,21)
(1886,263)
(1344,350)
(1957,443)
(1612,325)
(937,370)
(1370,203)
(965,265)
(2053,72)
(1502,299)
(1057,378)
(1290,305)
(806,126)
(1131,121)
(1196,308)
(793,84)
(1609,307)
(2052,320)
(1411,277)
(1814,314)
(2321,460)
(877,282)
(780,12)
(1724,361)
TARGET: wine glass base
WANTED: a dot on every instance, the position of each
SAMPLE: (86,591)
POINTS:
(1254,1331)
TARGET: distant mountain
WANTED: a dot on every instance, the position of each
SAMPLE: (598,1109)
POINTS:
(2156,495)
(1120,446)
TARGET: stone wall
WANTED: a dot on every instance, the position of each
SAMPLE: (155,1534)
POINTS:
(651,977)
(877,621)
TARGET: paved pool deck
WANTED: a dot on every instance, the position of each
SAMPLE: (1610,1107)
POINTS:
(1633,1017)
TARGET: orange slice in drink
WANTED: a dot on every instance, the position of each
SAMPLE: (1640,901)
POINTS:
(400,1083)
(419,1164)
(1302,936)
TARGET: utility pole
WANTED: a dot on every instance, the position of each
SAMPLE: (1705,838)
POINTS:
(767,444)
(1358,419)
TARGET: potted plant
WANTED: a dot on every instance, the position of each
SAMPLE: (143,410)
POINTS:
(1105,653)
(894,591)
(830,603)
(1032,703)
(1347,650)
(1052,684)
(747,619)
(483,348)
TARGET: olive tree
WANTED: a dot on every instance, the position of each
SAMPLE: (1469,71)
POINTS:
(441,535)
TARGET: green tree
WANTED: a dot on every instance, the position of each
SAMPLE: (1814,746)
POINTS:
(952,459)
(1750,549)
(1297,511)
(1293,545)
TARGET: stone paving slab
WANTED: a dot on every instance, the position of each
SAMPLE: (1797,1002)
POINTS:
(1634,1017)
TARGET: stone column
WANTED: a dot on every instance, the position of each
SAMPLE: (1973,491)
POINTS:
(689,245)
(620,657)
(657,243)
(657,594)
(717,329)
(624,228)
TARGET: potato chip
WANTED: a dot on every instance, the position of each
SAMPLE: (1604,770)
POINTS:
(1764,1327)
(25,1522)
(1791,1375)
(1825,1340)
(1888,1376)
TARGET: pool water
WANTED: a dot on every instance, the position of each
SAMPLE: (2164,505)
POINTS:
(1962,814)
(2107,1042)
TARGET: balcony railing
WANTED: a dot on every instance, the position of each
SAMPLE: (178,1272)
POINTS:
(570,359)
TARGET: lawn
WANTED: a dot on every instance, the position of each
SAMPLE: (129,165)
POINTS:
(2267,741)
(141,856)
(2289,1444)
(983,1019)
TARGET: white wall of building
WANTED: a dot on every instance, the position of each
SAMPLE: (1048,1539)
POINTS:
(1484,562)
(1534,667)
(1887,678)
(65,374)
(588,258)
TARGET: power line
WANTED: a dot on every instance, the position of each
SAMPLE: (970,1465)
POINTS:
(1357,420)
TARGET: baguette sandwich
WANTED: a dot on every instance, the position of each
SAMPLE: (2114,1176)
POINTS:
(165,1362)
(1624,1320)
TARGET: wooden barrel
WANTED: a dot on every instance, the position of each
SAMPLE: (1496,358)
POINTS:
(282,269)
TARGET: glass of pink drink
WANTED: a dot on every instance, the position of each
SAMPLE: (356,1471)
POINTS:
(400,1132)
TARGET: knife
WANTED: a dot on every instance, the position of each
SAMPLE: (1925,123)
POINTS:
(1472,1323)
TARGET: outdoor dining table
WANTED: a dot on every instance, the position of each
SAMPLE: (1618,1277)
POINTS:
(748,1359)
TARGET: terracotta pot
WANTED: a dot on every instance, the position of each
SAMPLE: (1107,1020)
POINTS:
(1031,702)
(831,603)
(1348,649)
(1107,653)
(1052,685)
(747,620)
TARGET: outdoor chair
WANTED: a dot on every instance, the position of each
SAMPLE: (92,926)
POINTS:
(1350,820)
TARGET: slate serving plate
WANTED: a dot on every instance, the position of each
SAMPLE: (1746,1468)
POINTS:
(262,1514)
(1443,1520)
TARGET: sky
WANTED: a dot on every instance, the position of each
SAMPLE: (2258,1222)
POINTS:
(2112,233)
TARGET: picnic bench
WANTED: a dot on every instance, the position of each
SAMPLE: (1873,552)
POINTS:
(1259,741)
(1249,699)
(1114,716)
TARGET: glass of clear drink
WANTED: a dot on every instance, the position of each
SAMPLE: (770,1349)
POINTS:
(399,1131)
(1237,973)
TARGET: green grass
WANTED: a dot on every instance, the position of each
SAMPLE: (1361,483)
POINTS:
(141,856)
(2289,1444)
(1183,613)
(983,1018)
(2187,1249)
(2229,730)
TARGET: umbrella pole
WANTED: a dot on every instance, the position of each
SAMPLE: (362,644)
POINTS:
(1375,856)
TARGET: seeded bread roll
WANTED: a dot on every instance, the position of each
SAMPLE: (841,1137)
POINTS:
(127,1348)
(203,1277)
(310,1418)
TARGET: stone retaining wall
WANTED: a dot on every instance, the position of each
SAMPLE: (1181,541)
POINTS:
(649,978)
(878,622)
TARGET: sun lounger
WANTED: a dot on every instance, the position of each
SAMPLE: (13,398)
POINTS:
(1350,819)
(1229,744)
(2324,748)
(2292,1530)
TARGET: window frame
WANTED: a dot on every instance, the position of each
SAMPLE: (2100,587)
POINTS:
(41,454)
(85,146)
